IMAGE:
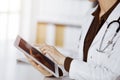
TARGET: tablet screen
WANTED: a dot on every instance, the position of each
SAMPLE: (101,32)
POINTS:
(37,55)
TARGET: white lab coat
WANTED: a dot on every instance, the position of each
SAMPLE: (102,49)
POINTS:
(100,66)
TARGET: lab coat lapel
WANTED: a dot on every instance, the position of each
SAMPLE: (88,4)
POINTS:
(113,16)
(87,26)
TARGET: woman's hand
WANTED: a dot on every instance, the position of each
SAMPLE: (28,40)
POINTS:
(53,53)
(38,67)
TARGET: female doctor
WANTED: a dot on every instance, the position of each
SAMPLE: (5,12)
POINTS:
(99,50)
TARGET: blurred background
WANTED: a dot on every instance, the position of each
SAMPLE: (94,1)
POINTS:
(55,22)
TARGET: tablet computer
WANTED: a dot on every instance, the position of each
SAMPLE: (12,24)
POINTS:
(37,56)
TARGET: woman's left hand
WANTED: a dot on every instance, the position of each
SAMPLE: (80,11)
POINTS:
(53,53)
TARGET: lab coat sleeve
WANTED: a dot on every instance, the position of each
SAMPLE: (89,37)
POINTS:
(109,70)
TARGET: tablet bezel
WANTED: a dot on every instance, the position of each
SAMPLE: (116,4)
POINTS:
(17,41)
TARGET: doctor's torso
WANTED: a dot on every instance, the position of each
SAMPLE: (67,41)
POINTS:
(94,55)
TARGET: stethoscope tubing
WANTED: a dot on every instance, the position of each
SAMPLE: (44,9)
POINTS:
(110,41)
(115,21)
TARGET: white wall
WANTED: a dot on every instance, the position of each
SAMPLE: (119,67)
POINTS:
(58,11)
(25,25)
(62,11)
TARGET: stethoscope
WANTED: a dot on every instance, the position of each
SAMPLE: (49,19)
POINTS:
(101,49)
